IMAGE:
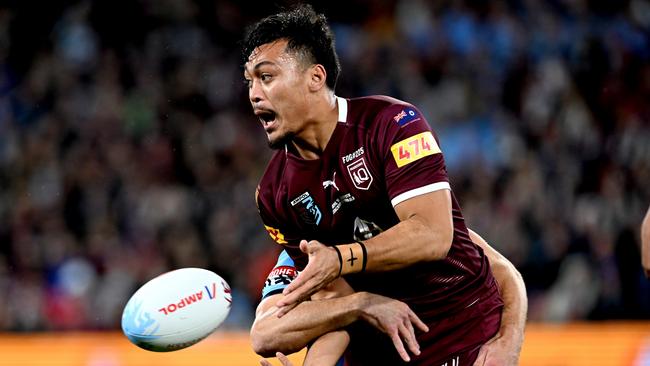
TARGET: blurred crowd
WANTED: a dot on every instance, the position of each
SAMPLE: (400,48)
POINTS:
(128,148)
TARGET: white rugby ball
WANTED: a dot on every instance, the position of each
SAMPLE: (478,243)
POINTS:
(176,309)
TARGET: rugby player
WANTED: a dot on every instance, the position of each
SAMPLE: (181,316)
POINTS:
(358,189)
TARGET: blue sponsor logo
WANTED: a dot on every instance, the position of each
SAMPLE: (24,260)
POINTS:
(307,208)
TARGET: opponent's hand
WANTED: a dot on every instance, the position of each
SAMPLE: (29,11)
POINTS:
(498,351)
(283,360)
(396,319)
(322,268)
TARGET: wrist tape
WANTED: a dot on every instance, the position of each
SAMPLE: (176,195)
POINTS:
(352,258)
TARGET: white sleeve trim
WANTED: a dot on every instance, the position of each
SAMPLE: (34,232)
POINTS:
(419,191)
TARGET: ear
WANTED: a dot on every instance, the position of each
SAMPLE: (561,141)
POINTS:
(317,77)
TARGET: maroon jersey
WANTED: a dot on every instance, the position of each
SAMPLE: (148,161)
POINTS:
(382,152)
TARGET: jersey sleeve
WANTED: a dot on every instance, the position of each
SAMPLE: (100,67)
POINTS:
(280,276)
(277,229)
(410,153)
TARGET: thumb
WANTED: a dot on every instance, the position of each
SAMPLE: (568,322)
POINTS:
(304,246)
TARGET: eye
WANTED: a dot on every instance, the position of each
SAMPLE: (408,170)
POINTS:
(265,77)
(247,82)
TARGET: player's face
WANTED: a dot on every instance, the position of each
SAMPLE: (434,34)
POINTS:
(277,89)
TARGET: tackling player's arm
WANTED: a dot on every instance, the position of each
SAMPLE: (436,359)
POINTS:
(645,243)
(327,349)
(313,318)
(505,347)
(270,334)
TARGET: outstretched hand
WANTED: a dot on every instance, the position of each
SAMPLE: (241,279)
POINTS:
(322,268)
(498,352)
(396,320)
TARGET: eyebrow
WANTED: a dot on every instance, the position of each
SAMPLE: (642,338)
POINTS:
(263,63)
(260,64)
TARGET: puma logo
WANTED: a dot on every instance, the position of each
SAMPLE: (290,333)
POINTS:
(332,183)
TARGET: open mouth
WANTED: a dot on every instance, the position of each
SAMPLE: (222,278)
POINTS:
(267,117)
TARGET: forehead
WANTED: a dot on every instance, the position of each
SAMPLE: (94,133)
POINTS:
(273,52)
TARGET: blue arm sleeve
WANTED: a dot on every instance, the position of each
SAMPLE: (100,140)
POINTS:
(280,276)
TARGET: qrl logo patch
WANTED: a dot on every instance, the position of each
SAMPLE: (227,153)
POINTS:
(360,174)
(414,148)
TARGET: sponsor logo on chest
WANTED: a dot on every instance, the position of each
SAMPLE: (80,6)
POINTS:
(349,157)
(307,208)
(339,201)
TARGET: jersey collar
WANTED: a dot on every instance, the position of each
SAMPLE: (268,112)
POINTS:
(343,109)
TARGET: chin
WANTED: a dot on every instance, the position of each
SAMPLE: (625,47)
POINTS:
(278,142)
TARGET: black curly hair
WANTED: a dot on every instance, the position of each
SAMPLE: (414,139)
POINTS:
(307,34)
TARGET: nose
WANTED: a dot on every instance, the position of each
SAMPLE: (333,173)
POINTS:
(255,92)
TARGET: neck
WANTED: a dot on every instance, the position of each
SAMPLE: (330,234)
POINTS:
(323,117)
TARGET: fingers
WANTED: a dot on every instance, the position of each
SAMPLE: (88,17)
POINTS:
(408,333)
(283,359)
(399,346)
(318,273)
(301,291)
(295,285)
(418,322)
(304,246)
(298,288)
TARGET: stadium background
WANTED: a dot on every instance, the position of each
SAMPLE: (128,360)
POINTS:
(127,148)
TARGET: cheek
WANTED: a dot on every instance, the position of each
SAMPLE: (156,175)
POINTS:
(287,101)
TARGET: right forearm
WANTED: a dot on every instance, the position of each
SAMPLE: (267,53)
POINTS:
(513,291)
(304,323)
